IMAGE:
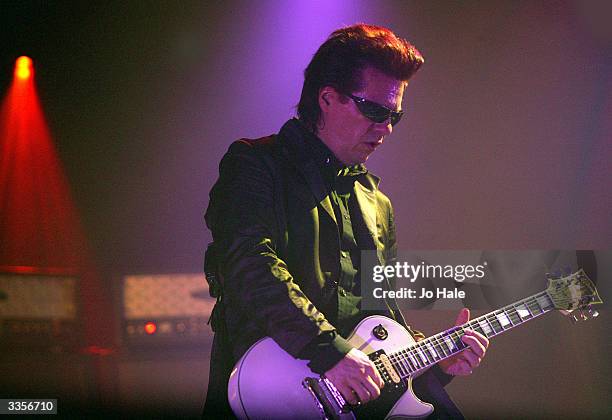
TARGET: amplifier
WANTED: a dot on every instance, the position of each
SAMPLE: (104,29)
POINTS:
(39,311)
(165,309)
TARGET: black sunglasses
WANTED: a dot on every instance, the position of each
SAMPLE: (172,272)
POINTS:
(376,112)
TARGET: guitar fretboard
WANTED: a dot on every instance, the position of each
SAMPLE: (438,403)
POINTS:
(431,350)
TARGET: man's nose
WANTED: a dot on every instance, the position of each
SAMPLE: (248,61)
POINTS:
(384,128)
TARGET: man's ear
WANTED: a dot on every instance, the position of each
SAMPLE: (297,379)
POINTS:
(326,95)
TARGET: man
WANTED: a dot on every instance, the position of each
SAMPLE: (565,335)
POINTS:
(291,213)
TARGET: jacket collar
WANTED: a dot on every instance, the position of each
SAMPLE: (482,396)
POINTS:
(298,144)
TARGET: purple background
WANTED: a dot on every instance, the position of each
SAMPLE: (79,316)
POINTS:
(506,141)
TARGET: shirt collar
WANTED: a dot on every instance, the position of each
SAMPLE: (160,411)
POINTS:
(308,149)
(326,159)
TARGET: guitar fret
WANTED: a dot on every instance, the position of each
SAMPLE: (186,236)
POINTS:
(421,355)
(473,324)
(425,350)
(409,366)
(478,329)
(393,361)
(484,324)
(450,344)
(523,311)
(544,302)
(406,360)
(397,362)
(486,318)
(432,351)
(438,345)
(534,308)
(406,364)
(400,367)
(514,316)
(495,324)
(413,360)
(508,314)
(503,320)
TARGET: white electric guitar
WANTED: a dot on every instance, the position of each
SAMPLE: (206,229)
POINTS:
(268,383)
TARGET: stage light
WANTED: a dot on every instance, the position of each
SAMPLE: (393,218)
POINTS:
(150,328)
(40,226)
(23,68)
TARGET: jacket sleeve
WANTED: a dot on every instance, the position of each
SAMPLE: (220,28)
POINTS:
(256,281)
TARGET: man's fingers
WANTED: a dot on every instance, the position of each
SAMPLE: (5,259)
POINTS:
(356,377)
(471,358)
(477,346)
(466,361)
(463,317)
(482,339)
(462,368)
(373,373)
(372,388)
(363,394)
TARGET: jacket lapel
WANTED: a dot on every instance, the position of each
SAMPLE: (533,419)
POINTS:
(299,155)
(365,193)
(366,198)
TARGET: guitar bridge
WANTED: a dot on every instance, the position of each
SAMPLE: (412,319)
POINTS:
(330,402)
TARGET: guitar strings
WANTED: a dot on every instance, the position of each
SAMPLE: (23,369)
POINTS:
(428,351)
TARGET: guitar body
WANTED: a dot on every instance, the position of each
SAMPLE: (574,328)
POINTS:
(268,383)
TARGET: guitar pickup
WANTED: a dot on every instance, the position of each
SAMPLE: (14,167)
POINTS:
(386,369)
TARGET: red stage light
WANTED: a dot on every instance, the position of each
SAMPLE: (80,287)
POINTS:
(40,227)
(150,328)
(23,67)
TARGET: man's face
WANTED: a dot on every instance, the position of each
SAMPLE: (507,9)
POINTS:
(350,135)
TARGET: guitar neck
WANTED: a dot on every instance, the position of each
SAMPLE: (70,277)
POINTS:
(447,343)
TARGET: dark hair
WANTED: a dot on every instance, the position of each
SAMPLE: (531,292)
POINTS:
(339,61)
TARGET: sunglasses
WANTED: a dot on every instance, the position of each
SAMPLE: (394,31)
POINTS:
(375,112)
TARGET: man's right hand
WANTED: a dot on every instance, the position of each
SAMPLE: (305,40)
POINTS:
(356,377)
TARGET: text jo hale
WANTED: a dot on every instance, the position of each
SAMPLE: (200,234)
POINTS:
(407,293)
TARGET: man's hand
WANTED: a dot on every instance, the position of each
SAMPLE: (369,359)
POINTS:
(463,363)
(356,378)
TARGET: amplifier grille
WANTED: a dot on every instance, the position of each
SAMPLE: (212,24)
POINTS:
(169,309)
(35,296)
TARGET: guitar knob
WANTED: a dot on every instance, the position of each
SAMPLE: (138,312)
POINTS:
(380,332)
(583,315)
